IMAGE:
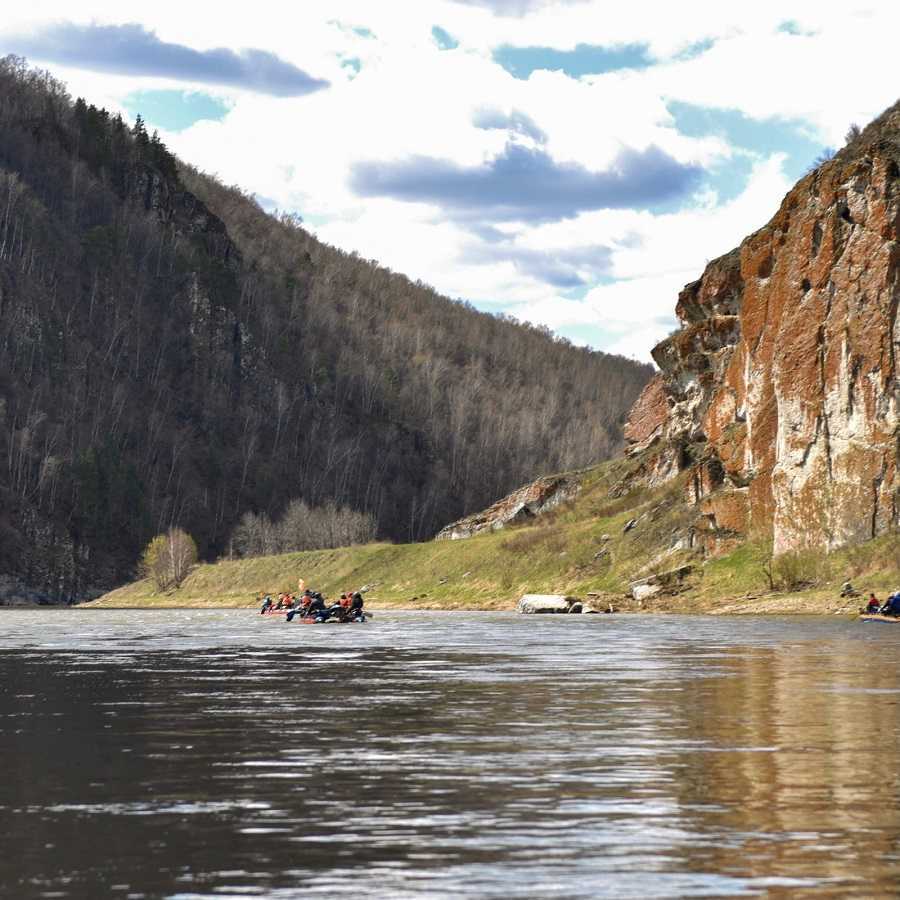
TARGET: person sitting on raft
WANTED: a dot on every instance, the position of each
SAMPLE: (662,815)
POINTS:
(316,605)
(873,606)
(342,608)
(356,606)
(891,606)
(267,605)
(304,607)
(333,611)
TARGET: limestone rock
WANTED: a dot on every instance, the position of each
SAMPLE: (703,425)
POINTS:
(661,583)
(526,503)
(781,386)
(542,603)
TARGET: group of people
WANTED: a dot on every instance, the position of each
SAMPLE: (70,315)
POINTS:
(312,605)
(890,607)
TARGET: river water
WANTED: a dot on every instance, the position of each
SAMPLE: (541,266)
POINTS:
(195,754)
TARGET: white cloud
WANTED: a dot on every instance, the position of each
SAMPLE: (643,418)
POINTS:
(411,98)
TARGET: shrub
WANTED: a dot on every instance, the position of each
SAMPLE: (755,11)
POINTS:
(169,558)
(793,571)
(303,527)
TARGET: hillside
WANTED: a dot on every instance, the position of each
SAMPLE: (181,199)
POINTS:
(612,533)
(171,354)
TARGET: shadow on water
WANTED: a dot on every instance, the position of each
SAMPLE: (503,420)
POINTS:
(198,754)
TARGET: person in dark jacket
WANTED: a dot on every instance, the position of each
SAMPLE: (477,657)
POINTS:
(316,605)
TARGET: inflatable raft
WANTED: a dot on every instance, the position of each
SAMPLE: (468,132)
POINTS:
(877,617)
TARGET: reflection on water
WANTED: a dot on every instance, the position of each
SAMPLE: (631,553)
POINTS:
(215,753)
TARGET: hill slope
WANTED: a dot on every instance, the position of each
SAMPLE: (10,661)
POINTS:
(169,354)
(612,533)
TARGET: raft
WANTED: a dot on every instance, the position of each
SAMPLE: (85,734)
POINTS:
(309,621)
(877,617)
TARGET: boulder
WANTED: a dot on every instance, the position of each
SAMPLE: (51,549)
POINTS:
(661,583)
(543,603)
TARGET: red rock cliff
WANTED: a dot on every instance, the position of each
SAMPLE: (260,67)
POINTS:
(779,391)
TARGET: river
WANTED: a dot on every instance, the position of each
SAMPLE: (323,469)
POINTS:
(197,754)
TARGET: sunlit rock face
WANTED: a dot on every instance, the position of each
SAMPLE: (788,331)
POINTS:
(778,392)
(522,505)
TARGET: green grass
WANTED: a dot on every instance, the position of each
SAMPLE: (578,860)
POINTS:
(578,548)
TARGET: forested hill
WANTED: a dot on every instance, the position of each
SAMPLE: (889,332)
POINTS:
(171,354)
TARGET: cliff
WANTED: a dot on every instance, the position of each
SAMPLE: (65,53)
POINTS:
(778,393)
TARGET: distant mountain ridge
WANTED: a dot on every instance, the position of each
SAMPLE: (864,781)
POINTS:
(171,354)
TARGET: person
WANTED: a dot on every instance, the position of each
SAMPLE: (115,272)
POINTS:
(301,608)
(356,606)
(892,605)
(267,605)
(333,611)
(316,605)
(873,606)
(344,611)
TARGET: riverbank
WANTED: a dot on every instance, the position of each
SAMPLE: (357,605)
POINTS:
(441,577)
(595,547)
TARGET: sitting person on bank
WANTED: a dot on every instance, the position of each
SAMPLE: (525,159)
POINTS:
(891,605)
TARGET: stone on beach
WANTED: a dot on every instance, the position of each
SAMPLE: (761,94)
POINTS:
(543,603)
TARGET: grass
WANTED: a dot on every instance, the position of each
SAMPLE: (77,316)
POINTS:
(580,547)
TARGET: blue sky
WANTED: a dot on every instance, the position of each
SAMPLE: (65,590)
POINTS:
(540,158)
(173,110)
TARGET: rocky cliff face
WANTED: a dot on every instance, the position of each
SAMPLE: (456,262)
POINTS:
(520,506)
(778,394)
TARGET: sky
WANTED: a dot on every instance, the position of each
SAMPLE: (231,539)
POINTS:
(572,163)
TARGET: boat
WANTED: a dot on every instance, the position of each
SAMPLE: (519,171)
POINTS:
(877,617)
(310,621)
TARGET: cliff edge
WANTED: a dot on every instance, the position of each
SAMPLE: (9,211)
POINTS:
(778,393)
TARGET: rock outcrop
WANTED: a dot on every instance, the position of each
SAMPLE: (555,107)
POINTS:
(778,394)
(526,503)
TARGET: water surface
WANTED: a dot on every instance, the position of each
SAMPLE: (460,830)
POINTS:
(196,754)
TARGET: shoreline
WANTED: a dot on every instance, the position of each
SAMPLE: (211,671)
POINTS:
(773,605)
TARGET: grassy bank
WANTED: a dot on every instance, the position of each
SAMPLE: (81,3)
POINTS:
(578,549)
